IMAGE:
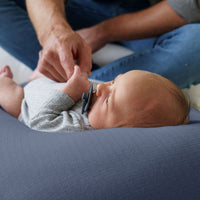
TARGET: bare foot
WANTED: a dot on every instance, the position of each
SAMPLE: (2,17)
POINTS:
(5,71)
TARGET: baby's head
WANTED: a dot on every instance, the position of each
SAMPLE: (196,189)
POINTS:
(138,99)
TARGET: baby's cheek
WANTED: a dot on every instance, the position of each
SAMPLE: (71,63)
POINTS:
(93,112)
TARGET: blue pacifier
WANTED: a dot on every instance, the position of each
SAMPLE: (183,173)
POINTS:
(86,99)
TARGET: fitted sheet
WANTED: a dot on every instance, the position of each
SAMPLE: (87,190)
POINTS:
(113,164)
(108,164)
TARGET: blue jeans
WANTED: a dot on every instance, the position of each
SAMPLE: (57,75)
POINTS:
(172,55)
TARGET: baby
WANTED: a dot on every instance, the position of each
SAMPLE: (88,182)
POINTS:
(134,99)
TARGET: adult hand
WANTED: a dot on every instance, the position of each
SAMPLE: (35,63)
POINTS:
(61,51)
(94,36)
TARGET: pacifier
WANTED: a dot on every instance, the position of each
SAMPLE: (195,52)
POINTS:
(86,99)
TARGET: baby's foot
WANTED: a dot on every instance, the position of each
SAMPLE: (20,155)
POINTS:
(6,72)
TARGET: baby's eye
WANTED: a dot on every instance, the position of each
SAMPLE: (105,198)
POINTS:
(111,82)
(107,99)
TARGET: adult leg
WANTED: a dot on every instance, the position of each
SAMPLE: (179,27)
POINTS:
(11,94)
(170,55)
(82,14)
(17,34)
(173,55)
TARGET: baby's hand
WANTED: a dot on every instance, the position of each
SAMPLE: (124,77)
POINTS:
(77,84)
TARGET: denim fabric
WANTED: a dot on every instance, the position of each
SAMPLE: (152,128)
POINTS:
(17,35)
(86,13)
(171,55)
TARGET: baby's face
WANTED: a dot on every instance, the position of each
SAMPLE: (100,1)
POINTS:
(116,101)
(136,98)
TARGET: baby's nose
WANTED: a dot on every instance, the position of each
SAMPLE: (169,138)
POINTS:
(100,88)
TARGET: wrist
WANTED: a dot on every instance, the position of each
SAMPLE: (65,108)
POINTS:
(74,88)
(71,91)
(118,28)
(106,33)
(54,28)
(103,32)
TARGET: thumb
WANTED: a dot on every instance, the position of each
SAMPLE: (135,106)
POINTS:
(76,71)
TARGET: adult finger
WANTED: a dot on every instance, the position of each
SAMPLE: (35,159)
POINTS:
(48,70)
(53,59)
(85,59)
(66,60)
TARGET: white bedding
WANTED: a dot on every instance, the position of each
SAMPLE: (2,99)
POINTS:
(20,71)
(107,54)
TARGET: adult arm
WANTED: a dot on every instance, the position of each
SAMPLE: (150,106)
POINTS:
(150,22)
(61,46)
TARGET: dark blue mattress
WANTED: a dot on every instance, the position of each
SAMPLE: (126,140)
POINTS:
(110,164)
